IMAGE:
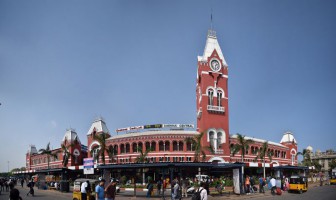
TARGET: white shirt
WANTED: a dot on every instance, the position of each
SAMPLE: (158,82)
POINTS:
(83,186)
(204,194)
(272,182)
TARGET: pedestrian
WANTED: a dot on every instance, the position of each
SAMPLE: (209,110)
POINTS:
(150,188)
(83,190)
(247,184)
(14,193)
(110,190)
(31,188)
(100,192)
(159,185)
(176,195)
(203,192)
(273,185)
(261,184)
(22,181)
(185,184)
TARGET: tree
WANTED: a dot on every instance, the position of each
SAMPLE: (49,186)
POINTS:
(262,153)
(142,158)
(241,146)
(66,153)
(306,157)
(196,143)
(332,164)
(101,139)
(47,151)
(112,153)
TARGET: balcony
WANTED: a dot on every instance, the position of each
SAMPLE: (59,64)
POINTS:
(217,109)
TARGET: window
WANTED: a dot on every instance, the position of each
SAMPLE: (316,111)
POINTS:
(153,146)
(135,147)
(189,146)
(210,97)
(147,144)
(175,146)
(127,148)
(219,98)
(180,146)
(161,146)
(122,148)
(212,139)
(167,146)
(219,139)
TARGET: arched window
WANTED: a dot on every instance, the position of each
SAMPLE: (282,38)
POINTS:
(175,148)
(212,139)
(167,146)
(219,140)
(140,146)
(115,149)
(219,98)
(189,146)
(122,148)
(210,97)
(180,146)
(127,148)
(153,146)
(161,146)
(147,144)
(134,147)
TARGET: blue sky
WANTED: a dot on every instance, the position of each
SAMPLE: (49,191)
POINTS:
(65,63)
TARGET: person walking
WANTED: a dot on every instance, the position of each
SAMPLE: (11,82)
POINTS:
(273,186)
(83,190)
(247,184)
(14,193)
(110,190)
(261,185)
(31,188)
(159,186)
(185,184)
(176,195)
(100,192)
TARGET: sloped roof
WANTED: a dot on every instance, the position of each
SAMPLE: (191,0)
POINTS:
(32,149)
(210,46)
(99,125)
(288,137)
(70,136)
(259,140)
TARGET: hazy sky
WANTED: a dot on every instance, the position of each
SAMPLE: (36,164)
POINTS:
(65,63)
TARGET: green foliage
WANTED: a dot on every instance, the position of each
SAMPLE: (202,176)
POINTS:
(123,180)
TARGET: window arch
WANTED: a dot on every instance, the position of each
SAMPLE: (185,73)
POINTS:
(180,146)
(175,147)
(210,93)
(167,146)
(212,139)
(219,98)
(127,148)
(134,147)
(161,146)
(122,148)
(148,145)
(140,146)
(153,146)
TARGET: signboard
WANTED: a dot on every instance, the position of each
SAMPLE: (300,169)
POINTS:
(150,126)
(88,166)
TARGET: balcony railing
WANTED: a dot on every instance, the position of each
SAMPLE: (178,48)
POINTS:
(216,108)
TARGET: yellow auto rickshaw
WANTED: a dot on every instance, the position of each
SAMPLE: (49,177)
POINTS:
(298,184)
(77,189)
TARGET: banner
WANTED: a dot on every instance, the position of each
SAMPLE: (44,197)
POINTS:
(236,185)
(88,165)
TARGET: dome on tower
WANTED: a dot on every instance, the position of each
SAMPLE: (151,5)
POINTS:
(70,136)
(309,148)
(288,137)
(99,126)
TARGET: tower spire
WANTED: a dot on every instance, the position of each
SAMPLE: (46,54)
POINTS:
(211,20)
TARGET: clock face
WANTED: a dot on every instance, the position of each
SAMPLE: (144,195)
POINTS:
(215,65)
(76,152)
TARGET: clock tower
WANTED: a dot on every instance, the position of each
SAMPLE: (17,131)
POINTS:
(212,100)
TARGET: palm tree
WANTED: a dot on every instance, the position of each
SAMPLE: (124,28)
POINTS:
(112,153)
(142,155)
(101,139)
(47,151)
(306,157)
(196,143)
(242,145)
(263,152)
(66,153)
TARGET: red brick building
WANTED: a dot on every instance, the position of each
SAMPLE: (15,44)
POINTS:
(168,141)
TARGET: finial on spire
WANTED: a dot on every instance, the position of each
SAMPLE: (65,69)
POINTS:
(211,20)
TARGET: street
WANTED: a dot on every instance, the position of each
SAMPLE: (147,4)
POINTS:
(326,192)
